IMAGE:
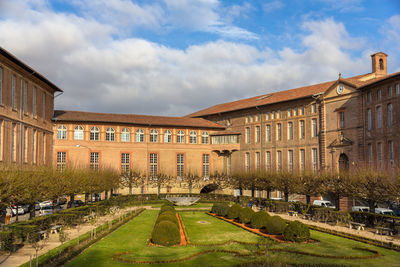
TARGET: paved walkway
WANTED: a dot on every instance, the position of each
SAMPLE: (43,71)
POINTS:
(369,233)
(23,254)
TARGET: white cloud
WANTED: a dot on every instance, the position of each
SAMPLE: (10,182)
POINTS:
(272,6)
(132,75)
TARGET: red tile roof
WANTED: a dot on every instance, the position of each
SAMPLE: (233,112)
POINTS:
(282,96)
(80,116)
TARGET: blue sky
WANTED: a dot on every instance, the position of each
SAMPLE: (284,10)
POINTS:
(173,57)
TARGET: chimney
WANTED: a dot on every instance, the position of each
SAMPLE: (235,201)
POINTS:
(379,64)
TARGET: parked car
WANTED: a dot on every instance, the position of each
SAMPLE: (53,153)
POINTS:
(47,203)
(62,201)
(384,211)
(77,203)
(360,208)
(46,210)
(13,210)
(324,203)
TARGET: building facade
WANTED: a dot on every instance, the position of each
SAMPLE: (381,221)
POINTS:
(26,111)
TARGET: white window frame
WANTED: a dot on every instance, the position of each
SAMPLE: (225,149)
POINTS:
(180,137)
(314,156)
(153,157)
(125,135)
(125,162)
(167,136)
(279,132)
(302,159)
(290,160)
(94,160)
(268,133)
(258,160)
(206,166)
(139,136)
(193,137)
(247,161)
(247,135)
(379,117)
(290,130)
(78,132)
(61,132)
(257,135)
(279,160)
(180,166)
(302,129)
(61,161)
(94,133)
(268,160)
(390,114)
(110,134)
(205,138)
(314,128)
(153,136)
(369,119)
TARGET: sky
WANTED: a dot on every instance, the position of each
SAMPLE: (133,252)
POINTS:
(174,57)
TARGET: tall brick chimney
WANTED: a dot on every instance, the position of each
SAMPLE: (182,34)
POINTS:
(379,64)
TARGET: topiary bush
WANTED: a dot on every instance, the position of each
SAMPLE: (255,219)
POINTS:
(245,215)
(221,209)
(166,233)
(296,232)
(166,208)
(259,219)
(234,211)
(166,216)
(275,225)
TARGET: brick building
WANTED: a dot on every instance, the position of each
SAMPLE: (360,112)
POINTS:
(26,111)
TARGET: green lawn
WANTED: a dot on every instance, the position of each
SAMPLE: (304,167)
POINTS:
(204,230)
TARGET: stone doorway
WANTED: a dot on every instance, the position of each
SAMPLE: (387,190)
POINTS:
(343,162)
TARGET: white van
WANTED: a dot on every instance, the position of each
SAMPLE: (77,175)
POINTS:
(384,211)
(360,208)
(324,203)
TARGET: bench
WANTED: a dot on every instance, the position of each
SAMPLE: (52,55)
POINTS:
(356,225)
(307,216)
(293,213)
(384,230)
(55,229)
(43,234)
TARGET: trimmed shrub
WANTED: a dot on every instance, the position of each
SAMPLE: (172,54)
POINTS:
(221,209)
(170,204)
(166,216)
(234,211)
(6,240)
(245,215)
(259,219)
(275,225)
(166,233)
(296,232)
(167,208)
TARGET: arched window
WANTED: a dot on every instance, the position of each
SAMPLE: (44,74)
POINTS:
(153,136)
(193,137)
(61,132)
(94,134)
(381,64)
(204,138)
(180,137)
(167,136)
(110,134)
(125,135)
(140,136)
(78,133)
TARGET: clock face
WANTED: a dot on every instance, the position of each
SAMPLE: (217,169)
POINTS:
(340,89)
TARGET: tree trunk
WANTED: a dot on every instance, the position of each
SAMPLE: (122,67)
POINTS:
(371,205)
(106,195)
(286,196)
(252,192)
(16,213)
(308,199)
(32,213)
(268,193)
(3,213)
(158,189)
(72,199)
(86,197)
(130,189)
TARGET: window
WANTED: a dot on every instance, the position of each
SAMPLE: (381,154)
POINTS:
(370,158)
(258,160)
(302,159)
(25,145)
(279,160)
(139,136)
(381,64)
(44,147)
(206,166)
(61,161)
(290,160)
(34,145)
(1,86)
(314,128)
(301,111)
(110,134)
(295,111)
(125,135)
(34,102)
(390,115)
(268,160)
(380,155)
(314,108)
(94,134)
(278,114)
(204,138)
(167,136)
(302,130)
(369,119)
(44,106)
(247,119)
(153,136)
(25,97)
(379,94)
(273,115)
(180,137)
(279,132)
(94,160)
(290,112)
(315,159)
(180,166)
(247,161)
(390,91)
(61,132)
(267,116)
(125,162)
(78,133)
(369,97)
(13,81)
(13,142)
(153,166)
(341,119)
(379,117)
(256,118)
(193,137)
(391,153)
(247,135)
(398,89)
(268,133)
(257,134)
(290,131)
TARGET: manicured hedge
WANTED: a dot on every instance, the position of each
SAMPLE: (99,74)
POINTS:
(245,215)
(6,240)
(259,219)
(296,232)
(275,225)
(166,208)
(168,216)
(221,209)
(234,211)
(166,233)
